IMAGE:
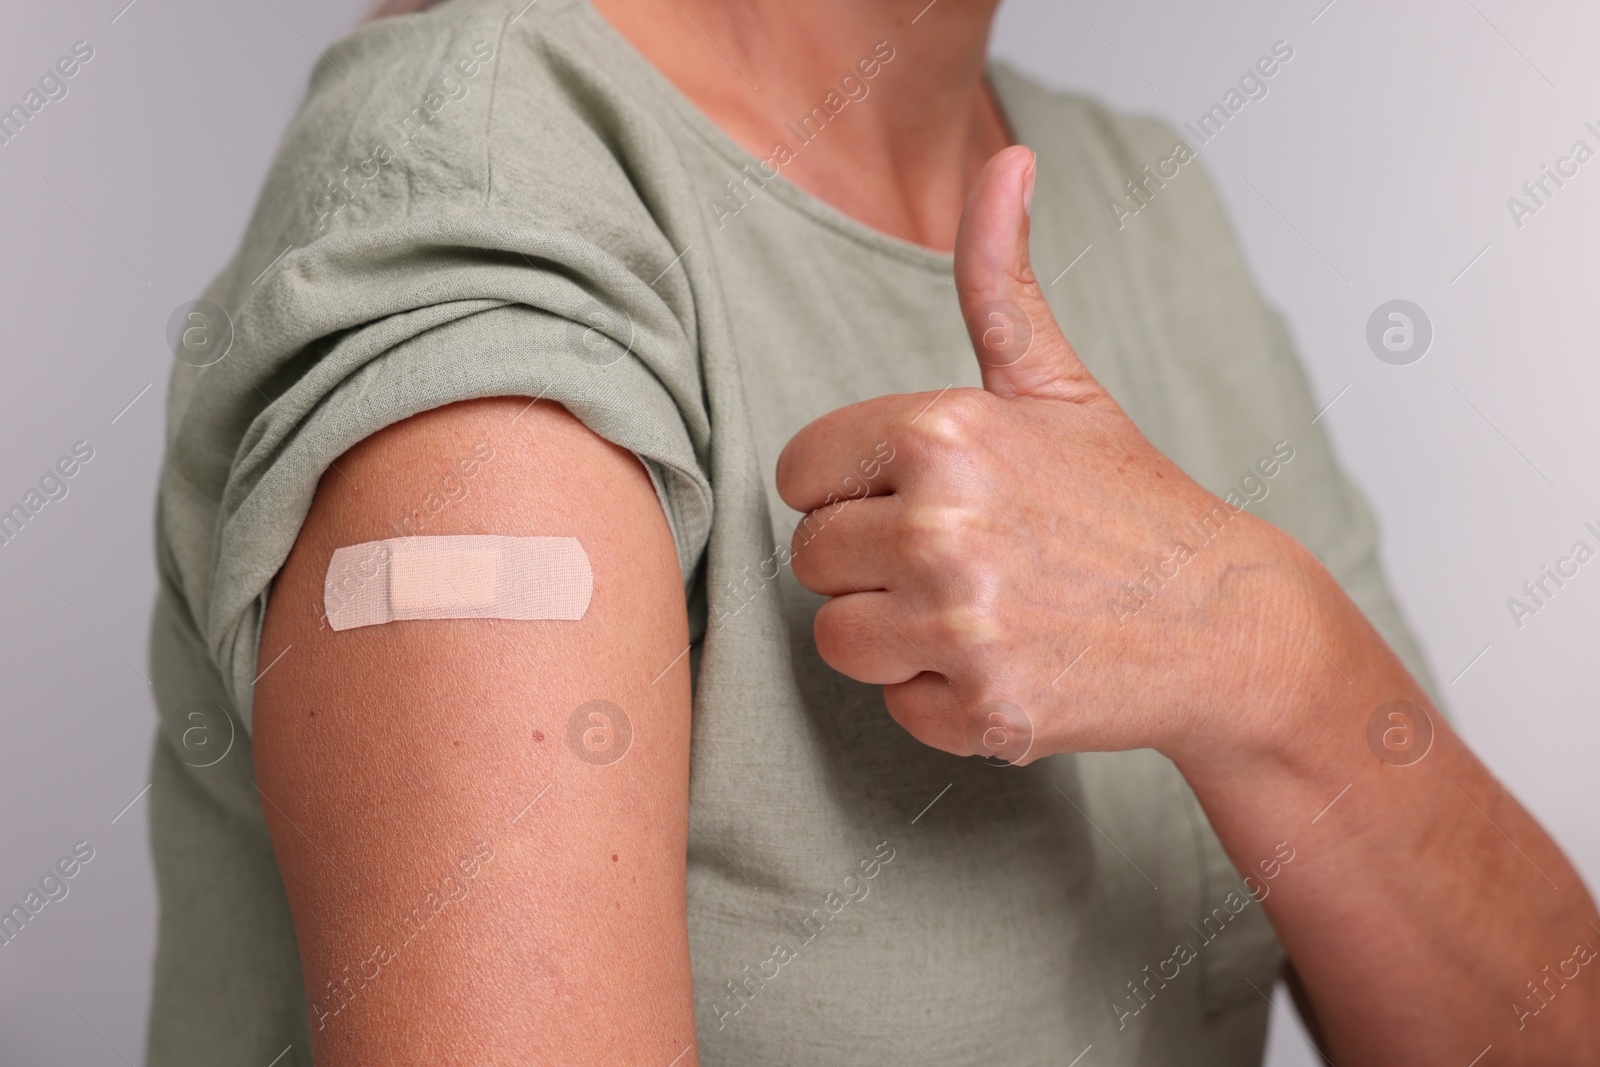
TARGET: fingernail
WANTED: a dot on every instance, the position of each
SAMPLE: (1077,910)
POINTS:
(1027,186)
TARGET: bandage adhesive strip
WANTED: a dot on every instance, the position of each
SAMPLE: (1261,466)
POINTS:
(457,577)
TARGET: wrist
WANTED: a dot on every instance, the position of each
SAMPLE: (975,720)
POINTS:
(1279,672)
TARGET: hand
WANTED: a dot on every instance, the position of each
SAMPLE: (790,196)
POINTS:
(1029,575)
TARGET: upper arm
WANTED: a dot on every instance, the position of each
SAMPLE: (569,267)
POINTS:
(465,882)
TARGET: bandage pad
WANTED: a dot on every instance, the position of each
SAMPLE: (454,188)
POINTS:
(457,577)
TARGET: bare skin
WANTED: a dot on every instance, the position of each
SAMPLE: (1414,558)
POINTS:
(388,755)
(1421,900)
(903,161)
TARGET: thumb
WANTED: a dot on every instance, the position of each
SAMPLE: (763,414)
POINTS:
(1021,350)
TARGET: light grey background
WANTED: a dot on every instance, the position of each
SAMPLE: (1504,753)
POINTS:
(1378,167)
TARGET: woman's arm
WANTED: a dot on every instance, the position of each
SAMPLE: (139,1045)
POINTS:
(479,871)
(1032,576)
(1428,915)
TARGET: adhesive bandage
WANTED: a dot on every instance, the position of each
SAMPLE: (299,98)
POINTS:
(457,577)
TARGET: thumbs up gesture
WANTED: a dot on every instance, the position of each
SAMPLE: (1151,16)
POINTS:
(997,579)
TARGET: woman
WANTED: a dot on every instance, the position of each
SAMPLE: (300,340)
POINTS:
(667,278)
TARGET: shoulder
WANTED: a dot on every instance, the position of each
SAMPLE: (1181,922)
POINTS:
(466,204)
(433,112)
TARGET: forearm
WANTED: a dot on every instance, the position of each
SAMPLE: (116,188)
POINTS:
(1422,898)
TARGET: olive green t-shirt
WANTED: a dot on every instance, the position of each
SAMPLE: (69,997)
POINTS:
(492,199)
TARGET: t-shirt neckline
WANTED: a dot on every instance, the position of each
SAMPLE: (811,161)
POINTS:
(807,203)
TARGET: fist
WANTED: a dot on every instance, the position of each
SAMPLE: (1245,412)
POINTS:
(1026,574)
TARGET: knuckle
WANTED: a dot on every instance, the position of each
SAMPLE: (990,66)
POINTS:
(972,624)
(954,421)
(1024,280)
(1000,729)
(940,535)
(973,617)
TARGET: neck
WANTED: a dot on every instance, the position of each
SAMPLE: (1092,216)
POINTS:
(893,142)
